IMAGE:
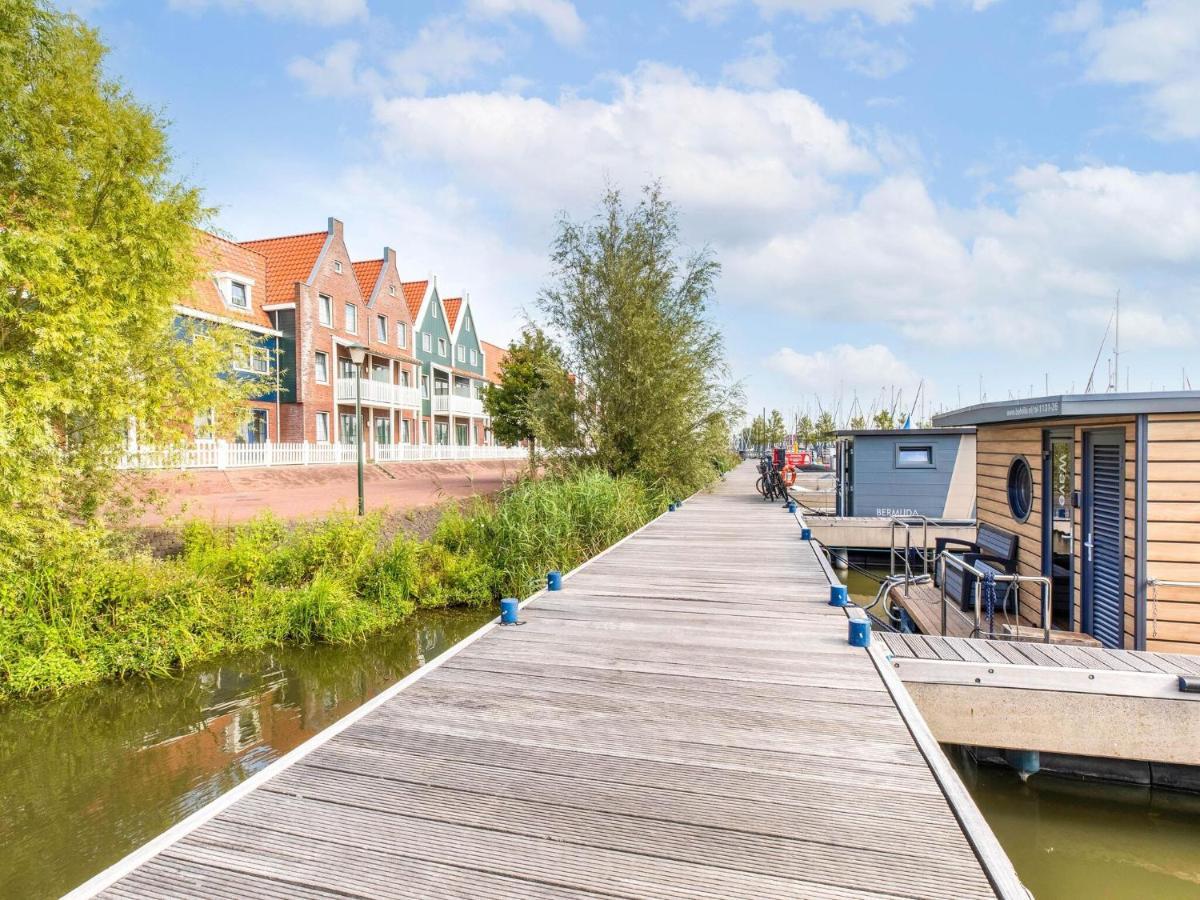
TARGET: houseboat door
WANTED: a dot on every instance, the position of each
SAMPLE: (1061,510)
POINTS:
(1103,535)
(1058,524)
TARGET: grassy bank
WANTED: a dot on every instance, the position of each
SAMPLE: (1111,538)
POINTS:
(92,610)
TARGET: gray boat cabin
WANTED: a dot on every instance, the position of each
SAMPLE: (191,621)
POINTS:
(906,472)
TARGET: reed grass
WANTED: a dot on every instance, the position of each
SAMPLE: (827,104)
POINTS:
(93,609)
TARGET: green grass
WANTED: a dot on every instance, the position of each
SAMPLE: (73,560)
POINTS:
(92,609)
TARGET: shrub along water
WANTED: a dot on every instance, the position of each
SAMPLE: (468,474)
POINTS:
(91,609)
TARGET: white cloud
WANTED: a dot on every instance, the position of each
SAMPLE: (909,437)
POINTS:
(559,16)
(846,370)
(885,12)
(1156,47)
(740,161)
(712,11)
(760,67)
(318,12)
(334,74)
(861,54)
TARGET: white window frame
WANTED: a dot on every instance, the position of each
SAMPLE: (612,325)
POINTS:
(442,347)
(426,343)
(401,334)
(321,417)
(260,360)
(321,361)
(350,311)
(391,290)
(474,357)
(461,353)
(381,329)
(337,266)
(233,286)
(325,310)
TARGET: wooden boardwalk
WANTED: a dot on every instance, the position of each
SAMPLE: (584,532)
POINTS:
(685,719)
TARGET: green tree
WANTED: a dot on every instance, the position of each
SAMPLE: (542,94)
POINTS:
(776,430)
(535,399)
(858,422)
(97,243)
(758,432)
(823,430)
(883,419)
(804,430)
(634,316)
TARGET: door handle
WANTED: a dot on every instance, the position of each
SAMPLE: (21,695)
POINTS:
(1087,545)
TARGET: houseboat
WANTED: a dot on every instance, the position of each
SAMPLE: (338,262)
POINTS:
(1101,495)
(906,472)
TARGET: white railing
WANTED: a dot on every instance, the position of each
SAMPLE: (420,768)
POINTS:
(457,405)
(223,455)
(378,392)
(415,452)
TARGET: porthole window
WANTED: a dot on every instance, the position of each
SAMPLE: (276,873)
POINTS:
(1020,489)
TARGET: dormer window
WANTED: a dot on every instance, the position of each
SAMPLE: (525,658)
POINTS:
(238,295)
(337,266)
(235,288)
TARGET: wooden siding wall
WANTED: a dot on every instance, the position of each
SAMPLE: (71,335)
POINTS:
(1173,532)
(996,446)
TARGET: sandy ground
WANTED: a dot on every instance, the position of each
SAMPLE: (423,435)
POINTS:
(296,492)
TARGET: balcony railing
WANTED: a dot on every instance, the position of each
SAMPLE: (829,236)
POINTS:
(378,393)
(223,455)
(456,405)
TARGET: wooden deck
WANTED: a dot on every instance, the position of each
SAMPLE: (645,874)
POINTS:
(685,719)
(923,603)
(1082,701)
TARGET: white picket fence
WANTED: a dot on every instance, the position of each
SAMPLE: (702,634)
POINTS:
(224,455)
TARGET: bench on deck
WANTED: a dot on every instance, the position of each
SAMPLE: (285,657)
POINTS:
(993,549)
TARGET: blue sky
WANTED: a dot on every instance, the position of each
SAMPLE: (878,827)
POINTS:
(898,190)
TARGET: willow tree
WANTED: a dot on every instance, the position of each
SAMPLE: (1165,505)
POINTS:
(97,244)
(633,311)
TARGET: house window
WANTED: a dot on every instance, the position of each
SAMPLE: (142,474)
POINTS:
(322,363)
(910,456)
(405,431)
(425,431)
(204,425)
(392,290)
(441,346)
(474,357)
(381,328)
(325,310)
(260,360)
(401,334)
(348,428)
(425,342)
(322,432)
(462,354)
(467,324)
(441,433)
(405,380)
(255,430)
(346,367)
(460,436)
(337,266)
(238,295)
(424,387)
(352,318)
(435,315)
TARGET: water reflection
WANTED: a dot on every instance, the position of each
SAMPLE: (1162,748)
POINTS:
(86,778)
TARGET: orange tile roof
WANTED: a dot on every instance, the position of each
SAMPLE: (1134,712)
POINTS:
(367,273)
(453,305)
(289,259)
(493,355)
(414,293)
(216,254)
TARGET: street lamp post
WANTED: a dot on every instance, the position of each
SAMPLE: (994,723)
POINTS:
(358,354)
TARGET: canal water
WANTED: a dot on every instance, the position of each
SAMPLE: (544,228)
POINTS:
(91,776)
(1070,838)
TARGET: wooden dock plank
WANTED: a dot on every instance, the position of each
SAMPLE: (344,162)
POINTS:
(685,719)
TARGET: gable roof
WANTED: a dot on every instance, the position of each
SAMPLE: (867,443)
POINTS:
(414,294)
(216,254)
(452,305)
(493,356)
(289,259)
(367,275)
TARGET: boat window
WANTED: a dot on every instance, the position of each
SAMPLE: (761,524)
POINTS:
(1020,489)
(910,456)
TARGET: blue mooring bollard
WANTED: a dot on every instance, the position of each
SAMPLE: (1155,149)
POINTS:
(806,534)
(508,611)
(838,595)
(791,507)
(554,581)
(670,507)
(860,632)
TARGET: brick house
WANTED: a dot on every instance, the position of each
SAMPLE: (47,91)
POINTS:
(233,291)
